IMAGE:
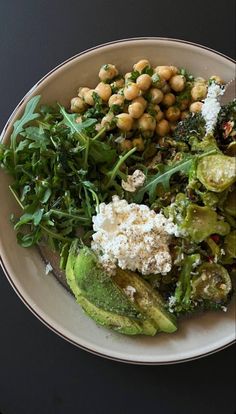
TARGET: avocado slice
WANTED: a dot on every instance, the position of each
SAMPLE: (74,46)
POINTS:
(119,323)
(148,300)
(98,287)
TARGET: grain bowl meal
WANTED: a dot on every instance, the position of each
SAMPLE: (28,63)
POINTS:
(133,185)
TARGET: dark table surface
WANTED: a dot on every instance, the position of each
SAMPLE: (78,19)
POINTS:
(39,372)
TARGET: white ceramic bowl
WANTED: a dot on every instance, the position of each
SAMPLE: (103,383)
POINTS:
(45,297)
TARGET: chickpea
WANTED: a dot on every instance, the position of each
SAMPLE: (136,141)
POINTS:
(108,121)
(199,92)
(136,109)
(163,128)
(144,82)
(140,99)
(138,143)
(164,72)
(131,91)
(82,92)
(159,116)
(169,99)
(156,95)
(126,145)
(147,122)
(174,70)
(166,88)
(88,97)
(196,107)
(172,113)
(124,122)
(77,105)
(199,80)
(184,115)
(141,64)
(157,81)
(107,72)
(116,99)
(104,91)
(177,83)
(217,79)
(156,108)
(184,104)
(119,83)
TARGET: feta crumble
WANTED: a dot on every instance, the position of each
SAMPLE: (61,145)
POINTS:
(48,268)
(132,237)
(134,181)
(211,106)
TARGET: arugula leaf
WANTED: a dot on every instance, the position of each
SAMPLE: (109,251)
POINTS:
(26,218)
(101,153)
(163,177)
(19,125)
(70,121)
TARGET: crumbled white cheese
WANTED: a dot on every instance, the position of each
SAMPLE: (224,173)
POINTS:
(130,291)
(211,106)
(133,181)
(132,237)
(48,268)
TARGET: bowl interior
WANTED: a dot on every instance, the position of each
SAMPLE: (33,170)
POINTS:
(42,293)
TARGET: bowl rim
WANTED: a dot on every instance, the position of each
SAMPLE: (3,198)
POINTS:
(4,267)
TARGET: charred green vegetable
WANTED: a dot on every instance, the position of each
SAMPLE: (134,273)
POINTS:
(216,172)
(201,222)
(213,283)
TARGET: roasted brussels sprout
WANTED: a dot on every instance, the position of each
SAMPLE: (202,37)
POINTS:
(216,172)
(201,222)
(213,283)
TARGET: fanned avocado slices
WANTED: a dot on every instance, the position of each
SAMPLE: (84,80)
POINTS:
(106,299)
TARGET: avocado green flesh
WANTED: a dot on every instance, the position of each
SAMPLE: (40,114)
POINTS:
(143,314)
(110,320)
(148,300)
(99,288)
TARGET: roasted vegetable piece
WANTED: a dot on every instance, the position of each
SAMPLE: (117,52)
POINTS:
(194,125)
(230,245)
(230,203)
(208,143)
(216,172)
(147,299)
(201,222)
(213,283)
(183,291)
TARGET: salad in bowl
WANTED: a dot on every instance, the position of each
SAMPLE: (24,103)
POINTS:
(133,186)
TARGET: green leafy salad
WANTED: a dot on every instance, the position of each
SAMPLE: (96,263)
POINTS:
(133,185)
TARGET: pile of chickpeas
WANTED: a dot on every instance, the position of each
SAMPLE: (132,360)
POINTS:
(149,106)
